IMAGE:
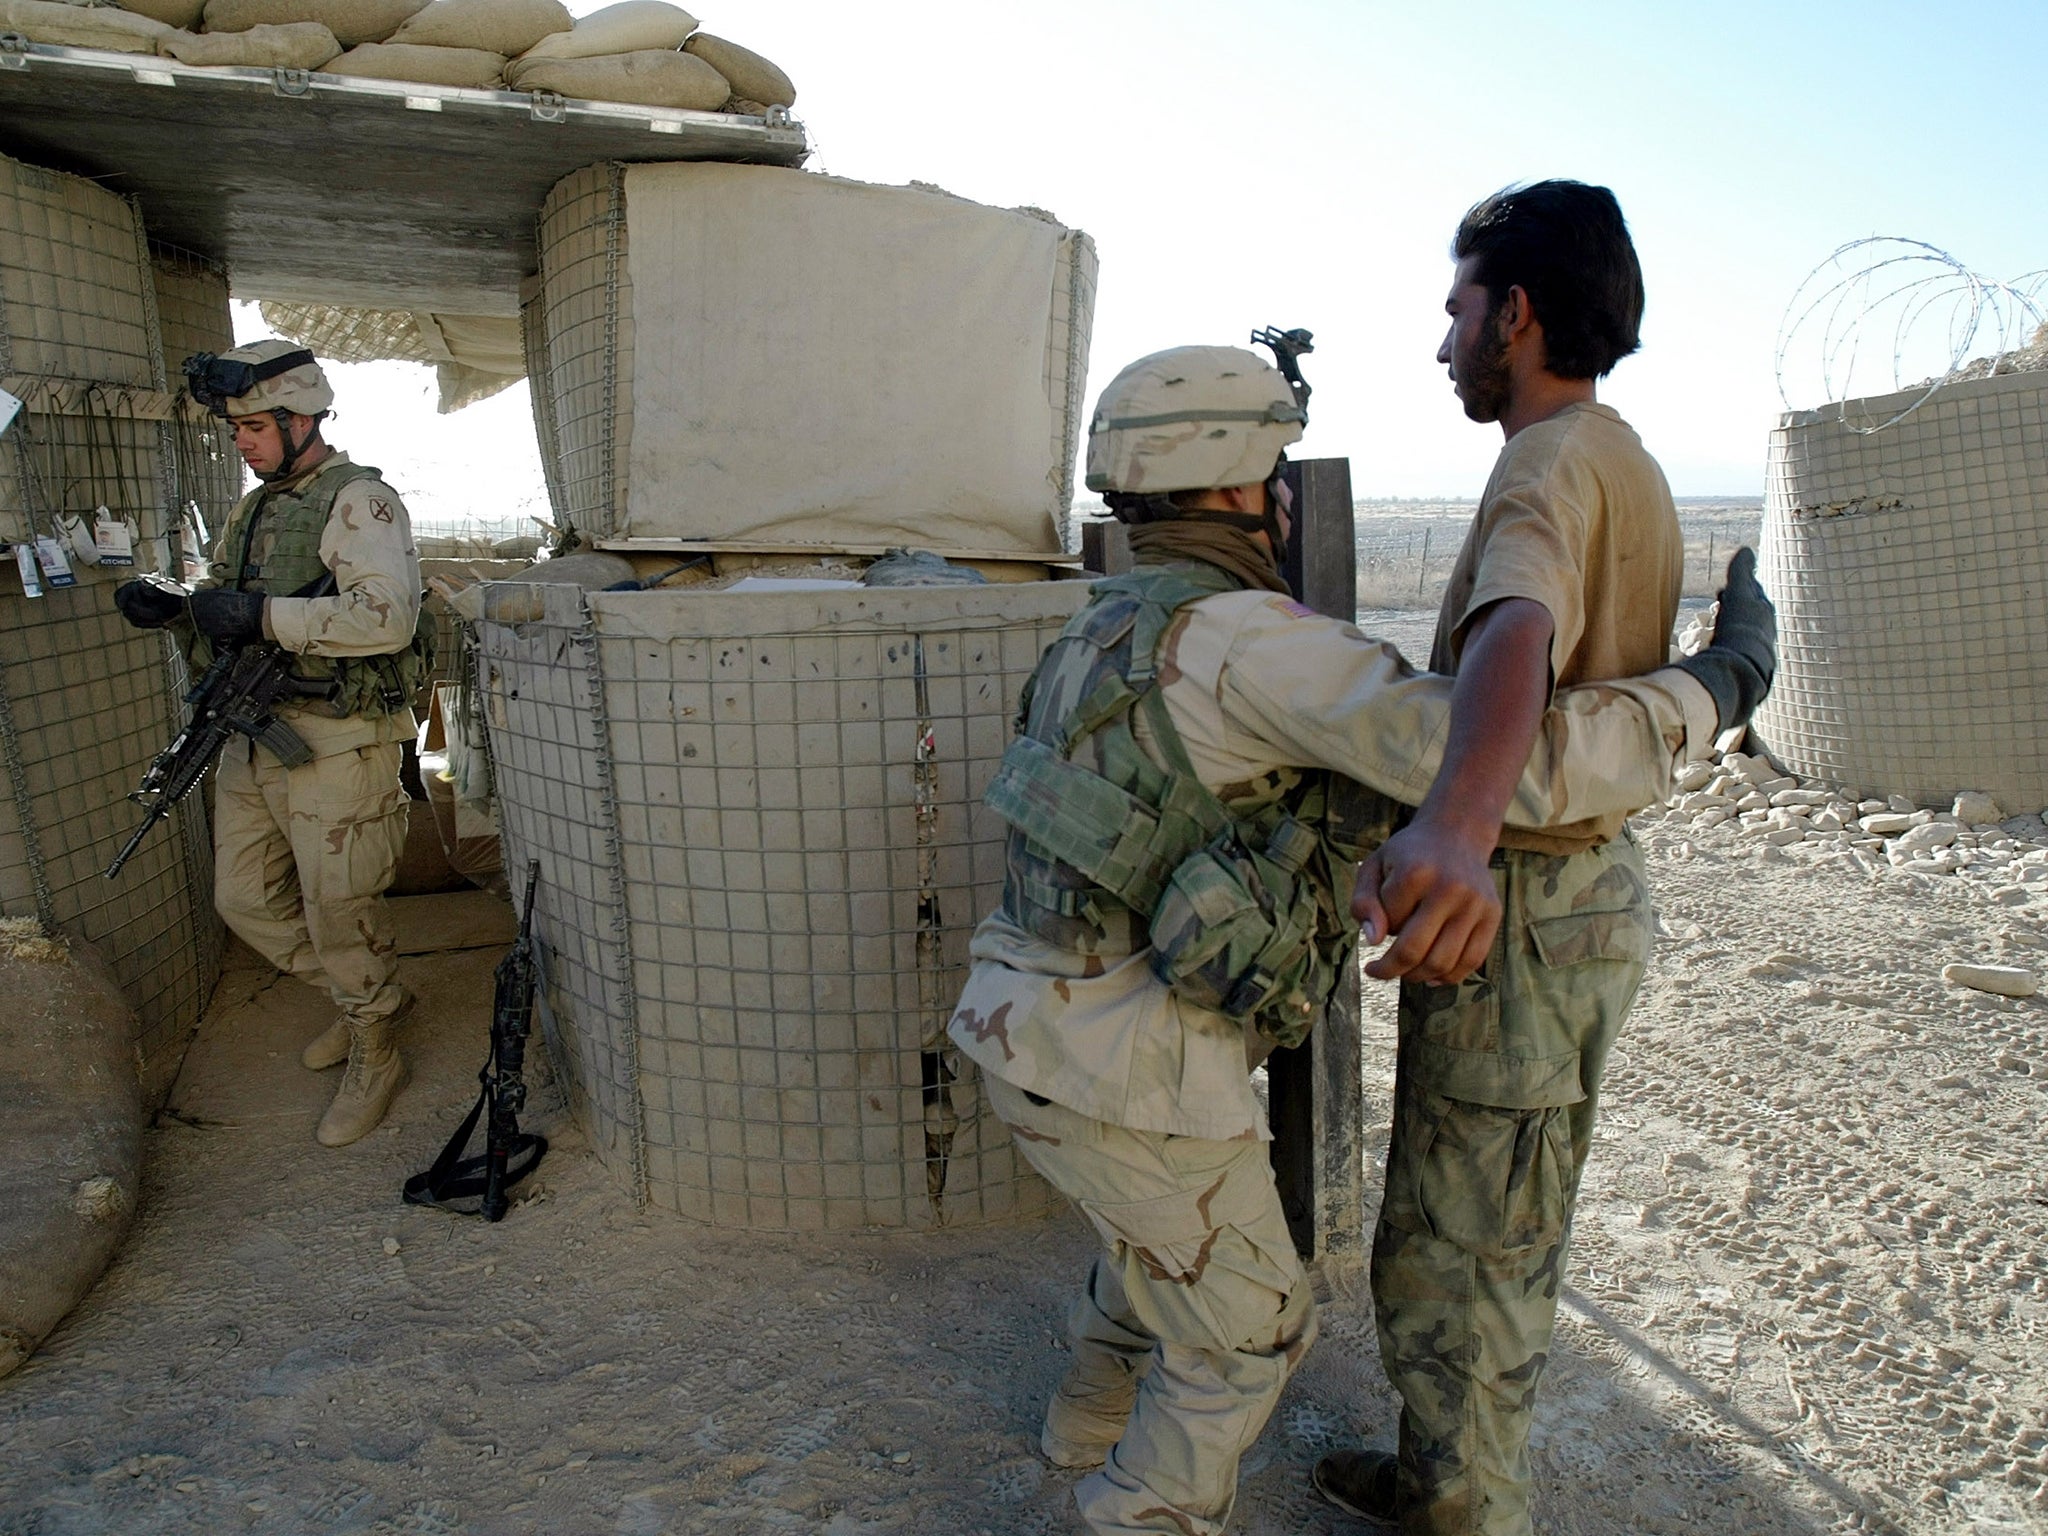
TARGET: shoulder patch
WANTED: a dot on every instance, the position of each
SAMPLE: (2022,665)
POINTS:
(380,509)
(1293,609)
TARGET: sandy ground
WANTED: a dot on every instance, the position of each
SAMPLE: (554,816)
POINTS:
(1807,1291)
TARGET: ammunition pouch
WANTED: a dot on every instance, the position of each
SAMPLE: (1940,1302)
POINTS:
(1107,845)
(1237,930)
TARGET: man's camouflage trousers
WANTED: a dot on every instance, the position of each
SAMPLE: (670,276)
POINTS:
(1495,1092)
(1198,1289)
(301,860)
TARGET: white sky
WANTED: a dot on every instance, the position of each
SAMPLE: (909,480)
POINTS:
(1304,162)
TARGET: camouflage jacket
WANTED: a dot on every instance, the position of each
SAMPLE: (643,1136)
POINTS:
(1258,687)
(366,540)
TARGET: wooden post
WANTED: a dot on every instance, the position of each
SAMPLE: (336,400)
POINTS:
(1105,547)
(1314,1091)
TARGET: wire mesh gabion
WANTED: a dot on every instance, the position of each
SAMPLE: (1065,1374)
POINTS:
(193,314)
(1910,569)
(85,701)
(762,854)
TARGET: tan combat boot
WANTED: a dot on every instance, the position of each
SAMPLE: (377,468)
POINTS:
(329,1048)
(375,1074)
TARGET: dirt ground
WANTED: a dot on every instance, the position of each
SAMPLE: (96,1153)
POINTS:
(1808,1292)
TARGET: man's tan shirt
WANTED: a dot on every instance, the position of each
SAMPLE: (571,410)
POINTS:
(1577,517)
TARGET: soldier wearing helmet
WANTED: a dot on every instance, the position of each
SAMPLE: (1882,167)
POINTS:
(1200,761)
(319,560)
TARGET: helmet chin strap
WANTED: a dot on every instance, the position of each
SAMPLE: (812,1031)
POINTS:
(292,450)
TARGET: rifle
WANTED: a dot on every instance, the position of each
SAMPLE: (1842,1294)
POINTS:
(236,695)
(509,1154)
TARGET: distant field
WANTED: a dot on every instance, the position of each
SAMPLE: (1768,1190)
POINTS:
(1406,548)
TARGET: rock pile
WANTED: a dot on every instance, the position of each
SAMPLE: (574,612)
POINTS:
(1745,801)
(645,52)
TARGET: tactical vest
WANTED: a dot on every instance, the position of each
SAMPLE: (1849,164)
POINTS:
(1110,849)
(296,519)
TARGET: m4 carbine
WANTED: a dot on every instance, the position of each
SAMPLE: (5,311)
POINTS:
(236,696)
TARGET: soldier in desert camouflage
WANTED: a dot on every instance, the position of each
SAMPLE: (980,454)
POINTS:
(302,856)
(1199,763)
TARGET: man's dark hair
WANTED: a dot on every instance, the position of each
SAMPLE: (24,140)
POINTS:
(1566,245)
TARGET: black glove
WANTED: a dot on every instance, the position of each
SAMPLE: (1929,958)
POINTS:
(221,614)
(149,604)
(1738,664)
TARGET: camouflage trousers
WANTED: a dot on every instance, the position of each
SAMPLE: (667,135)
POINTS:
(301,860)
(1495,1093)
(1198,1288)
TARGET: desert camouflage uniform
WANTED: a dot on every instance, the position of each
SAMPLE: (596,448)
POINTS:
(1137,1104)
(302,856)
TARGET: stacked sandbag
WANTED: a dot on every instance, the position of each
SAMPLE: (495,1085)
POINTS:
(756,82)
(351,21)
(650,53)
(508,27)
(474,68)
(81,26)
(181,14)
(290,45)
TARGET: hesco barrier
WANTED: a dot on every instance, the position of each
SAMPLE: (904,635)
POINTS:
(85,701)
(1910,570)
(193,316)
(763,851)
(768,357)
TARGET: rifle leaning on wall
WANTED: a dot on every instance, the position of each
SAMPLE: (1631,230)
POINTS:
(236,696)
(509,1154)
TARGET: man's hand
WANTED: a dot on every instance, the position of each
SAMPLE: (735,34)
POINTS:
(1429,884)
(1739,663)
(220,614)
(149,603)
(1431,887)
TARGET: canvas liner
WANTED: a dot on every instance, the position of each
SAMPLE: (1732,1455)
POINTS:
(628,27)
(751,77)
(469,67)
(294,45)
(351,21)
(509,27)
(912,377)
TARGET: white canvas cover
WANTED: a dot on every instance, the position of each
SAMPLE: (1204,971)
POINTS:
(820,361)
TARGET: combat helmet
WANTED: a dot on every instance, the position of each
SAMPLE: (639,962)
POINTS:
(1191,419)
(272,377)
(268,375)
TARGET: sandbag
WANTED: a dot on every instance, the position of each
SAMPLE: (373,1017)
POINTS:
(351,21)
(79,26)
(752,78)
(71,1155)
(182,14)
(471,67)
(628,27)
(649,78)
(509,27)
(296,45)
